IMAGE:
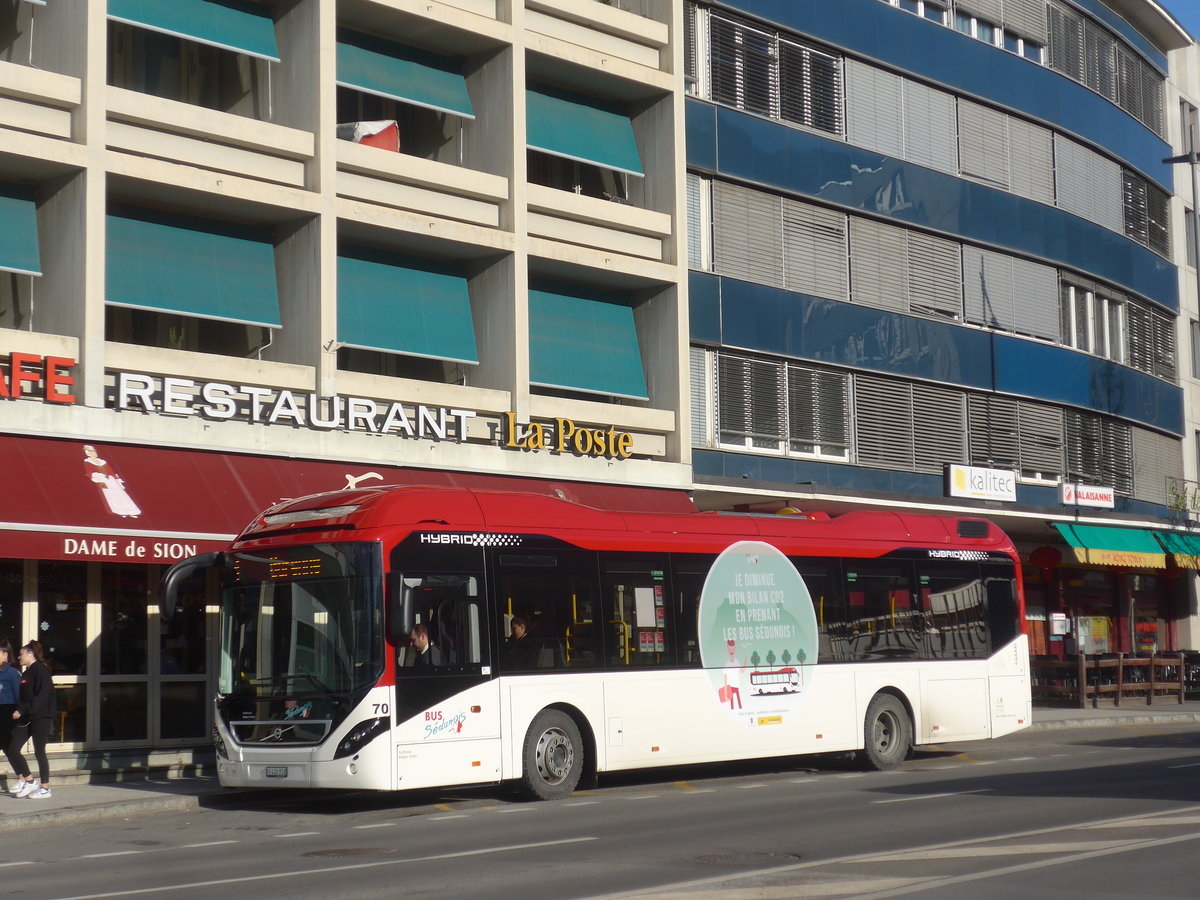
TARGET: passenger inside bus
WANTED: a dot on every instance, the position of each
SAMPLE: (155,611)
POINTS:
(520,651)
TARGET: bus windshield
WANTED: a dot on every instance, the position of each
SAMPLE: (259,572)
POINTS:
(302,621)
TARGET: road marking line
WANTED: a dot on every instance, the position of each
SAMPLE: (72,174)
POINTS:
(702,791)
(206,844)
(642,797)
(933,796)
(376,825)
(353,867)
(444,807)
(801,780)
(582,803)
(113,853)
(1162,821)
(298,834)
(451,816)
(516,809)
(684,786)
(1005,850)
(1188,766)
(24,862)
(749,787)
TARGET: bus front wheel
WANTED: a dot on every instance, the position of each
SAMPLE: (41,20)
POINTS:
(553,756)
(887,733)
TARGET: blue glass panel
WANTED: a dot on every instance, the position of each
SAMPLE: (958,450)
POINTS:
(582,129)
(704,307)
(19,250)
(400,305)
(1031,369)
(831,171)
(402,73)
(229,24)
(772,320)
(701,131)
(875,30)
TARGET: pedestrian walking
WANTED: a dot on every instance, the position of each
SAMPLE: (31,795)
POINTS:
(10,696)
(34,715)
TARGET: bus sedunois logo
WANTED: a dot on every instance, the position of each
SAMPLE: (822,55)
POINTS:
(475,539)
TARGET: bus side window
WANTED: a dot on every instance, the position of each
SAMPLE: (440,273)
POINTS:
(1003,614)
(688,572)
(957,620)
(634,609)
(886,620)
(451,608)
(553,592)
(821,577)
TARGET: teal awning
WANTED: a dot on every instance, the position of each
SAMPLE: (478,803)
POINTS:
(402,73)
(584,345)
(192,270)
(1100,545)
(580,129)
(229,24)
(18,233)
(398,305)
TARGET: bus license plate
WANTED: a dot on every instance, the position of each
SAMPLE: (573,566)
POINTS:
(277,771)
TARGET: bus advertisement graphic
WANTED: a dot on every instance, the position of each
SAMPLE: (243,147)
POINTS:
(758,632)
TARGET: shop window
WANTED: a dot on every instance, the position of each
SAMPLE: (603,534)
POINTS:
(183,633)
(634,610)
(72,713)
(12,587)
(62,615)
(182,710)
(123,621)
(885,618)
(174,332)
(151,62)
(553,593)
(123,707)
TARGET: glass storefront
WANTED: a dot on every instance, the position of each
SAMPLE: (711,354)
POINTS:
(125,674)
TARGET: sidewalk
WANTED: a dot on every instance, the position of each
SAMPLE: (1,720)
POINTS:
(78,800)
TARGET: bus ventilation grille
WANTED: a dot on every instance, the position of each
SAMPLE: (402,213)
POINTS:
(972,528)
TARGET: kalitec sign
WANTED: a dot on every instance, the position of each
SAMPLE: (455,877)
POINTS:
(981,484)
(221,401)
(1071,494)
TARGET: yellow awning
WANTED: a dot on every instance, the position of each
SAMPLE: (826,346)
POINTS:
(1098,546)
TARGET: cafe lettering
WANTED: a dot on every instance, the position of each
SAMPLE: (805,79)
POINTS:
(32,375)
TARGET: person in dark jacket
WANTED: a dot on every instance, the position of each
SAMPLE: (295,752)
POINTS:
(34,716)
(10,696)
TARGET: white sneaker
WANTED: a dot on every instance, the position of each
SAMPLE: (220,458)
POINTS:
(16,788)
(40,794)
(28,788)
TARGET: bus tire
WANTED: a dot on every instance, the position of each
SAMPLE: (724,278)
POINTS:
(552,756)
(887,733)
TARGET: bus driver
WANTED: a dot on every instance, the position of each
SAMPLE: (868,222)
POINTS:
(428,653)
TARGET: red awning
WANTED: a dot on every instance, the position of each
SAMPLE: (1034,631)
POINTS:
(65,499)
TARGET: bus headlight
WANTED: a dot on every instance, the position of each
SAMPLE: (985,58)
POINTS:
(361,735)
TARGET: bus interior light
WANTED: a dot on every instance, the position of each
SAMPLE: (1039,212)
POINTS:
(309,515)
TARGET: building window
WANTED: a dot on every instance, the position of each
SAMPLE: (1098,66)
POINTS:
(1099,451)
(1145,213)
(699,213)
(1189,127)
(1195,330)
(1189,227)
(1093,322)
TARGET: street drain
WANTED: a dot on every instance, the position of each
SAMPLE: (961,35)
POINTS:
(747,859)
(337,852)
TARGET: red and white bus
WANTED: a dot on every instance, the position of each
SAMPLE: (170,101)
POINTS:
(649,640)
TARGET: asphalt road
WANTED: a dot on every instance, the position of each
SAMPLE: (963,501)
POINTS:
(1100,813)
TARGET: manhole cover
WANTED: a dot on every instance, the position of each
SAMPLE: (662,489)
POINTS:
(747,859)
(348,851)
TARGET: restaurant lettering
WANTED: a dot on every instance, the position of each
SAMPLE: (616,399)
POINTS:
(33,375)
(565,436)
(118,548)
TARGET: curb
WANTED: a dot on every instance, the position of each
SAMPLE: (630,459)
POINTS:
(18,821)
(1117,721)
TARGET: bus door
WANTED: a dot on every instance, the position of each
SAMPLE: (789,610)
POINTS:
(447,704)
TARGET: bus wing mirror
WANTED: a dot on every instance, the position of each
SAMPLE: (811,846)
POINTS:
(400,611)
(177,576)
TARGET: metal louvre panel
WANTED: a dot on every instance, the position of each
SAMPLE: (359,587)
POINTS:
(930,128)
(1082,445)
(1156,458)
(1031,160)
(1040,434)
(810,87)
(722,60)
(1158,232)
(1105,178)
(992,431)
(742,70)
(1065,41)
(934,276)
(939,428)
(1087,184)
(1129,83)
(988,288)
(1116,461)
(983,143)
(992,10)
(1035,299)
(1100,60)
(747,230)
(701,429)
(874,109)
(1136,207)
(818,409)
(1027,18)
(1140,336)
(814,250)
(694,225)
(691,68)
(1163,346)
(879,264)
(883,422)
(750,400)
(1152,93)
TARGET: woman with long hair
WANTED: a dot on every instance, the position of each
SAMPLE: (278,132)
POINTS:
(10,696)
(34,715)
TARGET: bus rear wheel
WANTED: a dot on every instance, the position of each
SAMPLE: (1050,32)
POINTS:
(887,733)
(553,756)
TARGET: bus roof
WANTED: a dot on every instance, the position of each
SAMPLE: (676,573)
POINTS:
(439,508)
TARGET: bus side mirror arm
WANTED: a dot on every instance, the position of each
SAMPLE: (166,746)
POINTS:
(400,610)
(168,588)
